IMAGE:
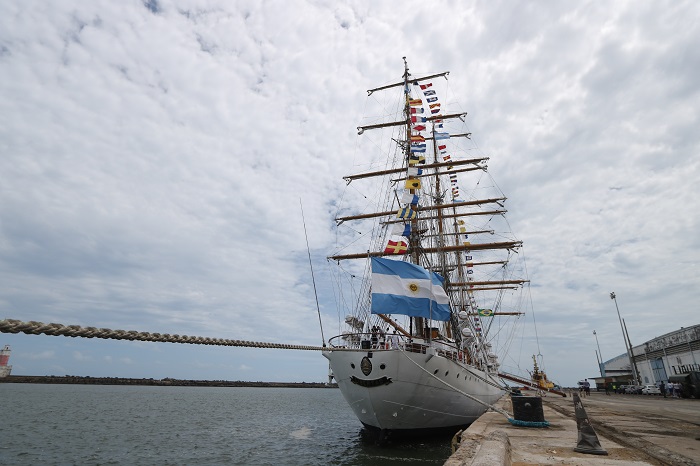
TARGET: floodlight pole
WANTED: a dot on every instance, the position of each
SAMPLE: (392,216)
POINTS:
(600,364)
(628,345)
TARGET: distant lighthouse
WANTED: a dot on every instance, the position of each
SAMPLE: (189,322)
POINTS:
(4,359)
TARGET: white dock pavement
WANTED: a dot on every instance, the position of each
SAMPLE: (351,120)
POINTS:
(492,440)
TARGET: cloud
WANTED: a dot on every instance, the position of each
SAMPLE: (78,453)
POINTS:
(42,355)
(154,156)
(78,356)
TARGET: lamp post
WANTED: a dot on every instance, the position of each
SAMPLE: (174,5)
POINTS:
(601,366)
(628,346)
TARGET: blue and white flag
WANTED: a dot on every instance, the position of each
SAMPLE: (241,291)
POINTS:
(403,288)
(414,171)
(401,229)
(409,198)
(439,136)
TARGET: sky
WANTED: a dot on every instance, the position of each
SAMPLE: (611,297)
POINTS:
(154,157)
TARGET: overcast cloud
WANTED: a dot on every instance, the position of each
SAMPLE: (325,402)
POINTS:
(153,156)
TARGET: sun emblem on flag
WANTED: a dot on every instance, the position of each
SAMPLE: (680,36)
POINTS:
(413,287)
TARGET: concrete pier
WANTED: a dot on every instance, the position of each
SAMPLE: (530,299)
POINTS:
(633,429)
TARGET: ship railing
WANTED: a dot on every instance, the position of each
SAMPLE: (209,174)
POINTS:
(368,342)
(364,341)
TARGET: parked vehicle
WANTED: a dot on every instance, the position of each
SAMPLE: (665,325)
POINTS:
(651,390)
(633,389)
(621,389)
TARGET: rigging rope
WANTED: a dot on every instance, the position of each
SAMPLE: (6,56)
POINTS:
(38,328)
(471,397)
(515,422)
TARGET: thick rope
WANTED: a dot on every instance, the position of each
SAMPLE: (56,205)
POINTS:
(38,328)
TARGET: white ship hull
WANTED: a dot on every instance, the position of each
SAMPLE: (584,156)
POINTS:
(408,391)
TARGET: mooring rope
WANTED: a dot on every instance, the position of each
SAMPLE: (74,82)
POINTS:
(516,422)
(471,397)
(38,328)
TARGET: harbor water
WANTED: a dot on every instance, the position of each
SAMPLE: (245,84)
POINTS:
(146,425)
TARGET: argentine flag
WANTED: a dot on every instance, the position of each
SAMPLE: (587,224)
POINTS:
(408,289)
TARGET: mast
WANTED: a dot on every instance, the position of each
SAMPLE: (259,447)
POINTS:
(440,238)
(413,239)
(429,208)
(475,162)
(457,248)
(437,236)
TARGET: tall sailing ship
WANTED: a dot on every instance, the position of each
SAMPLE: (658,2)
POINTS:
(438,292)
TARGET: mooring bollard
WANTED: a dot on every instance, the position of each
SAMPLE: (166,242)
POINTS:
(587,438)
(528,408)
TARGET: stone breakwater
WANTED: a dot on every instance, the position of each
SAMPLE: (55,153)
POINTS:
(78,380)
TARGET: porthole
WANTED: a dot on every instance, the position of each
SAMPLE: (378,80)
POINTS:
(382,366)
(457,375)
(446,372)
(436,371)
(352,364)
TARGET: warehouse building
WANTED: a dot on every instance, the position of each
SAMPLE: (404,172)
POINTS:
(670,357)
